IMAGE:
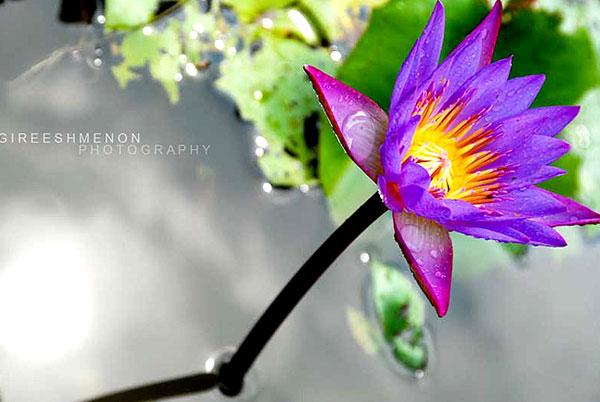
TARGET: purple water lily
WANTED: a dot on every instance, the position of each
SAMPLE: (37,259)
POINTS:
(460,151)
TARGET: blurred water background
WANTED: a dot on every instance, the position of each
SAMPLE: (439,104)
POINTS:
(119,270)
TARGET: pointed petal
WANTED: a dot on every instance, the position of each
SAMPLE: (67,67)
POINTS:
(488,30)
(455,70)
(359,123)
(544,121)
(428,250)
(575,213)
(527,203)
(538,149)
(423,58)
(516,97)
(483,89)
(526,175)
(523,231)
(503,234)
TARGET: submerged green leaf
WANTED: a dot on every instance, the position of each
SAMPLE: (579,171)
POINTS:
(248,10)
(129,13)
(271,91)
(399,306)
(401,313)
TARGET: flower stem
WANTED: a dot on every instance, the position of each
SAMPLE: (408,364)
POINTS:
(230,377)
(166,389)
(231,374)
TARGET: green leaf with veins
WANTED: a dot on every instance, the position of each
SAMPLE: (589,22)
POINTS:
(121,14)
(271,91)
(401,312)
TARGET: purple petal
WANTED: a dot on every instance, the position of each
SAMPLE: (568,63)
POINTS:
(539,234)
(395,146)
(456,69)
(428,250)
(423,58)
(359,123)
(516,96)
(553,119)
(544,121)
(539,149)
(413,188)
(487,231)
(575,214)
(526,175)
(488,31)
(485,87)
(527,203)
(522,231)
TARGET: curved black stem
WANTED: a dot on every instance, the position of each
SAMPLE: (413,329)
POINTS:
(230,377)
(231,374)
(166,389)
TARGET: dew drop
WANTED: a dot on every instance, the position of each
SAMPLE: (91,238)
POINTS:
(356,124)
(434,253)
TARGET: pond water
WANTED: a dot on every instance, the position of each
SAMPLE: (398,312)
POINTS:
(116,270)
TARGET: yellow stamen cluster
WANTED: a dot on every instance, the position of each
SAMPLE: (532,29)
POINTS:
(452,154)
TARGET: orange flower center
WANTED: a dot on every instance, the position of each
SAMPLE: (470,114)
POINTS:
(453,155)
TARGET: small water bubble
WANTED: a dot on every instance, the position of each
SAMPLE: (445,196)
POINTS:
(101,19)
(191,69)
(178,77)
(356,124)
(434,253)
(259,152)
(304,188)
(257,95)
(261,141)
(193,35)
(267,23)
(364,257)
(97,62)
(267,187)
(419,374)
(219,44)
(98,51)
(147,30)
(336,55)
(231,50)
